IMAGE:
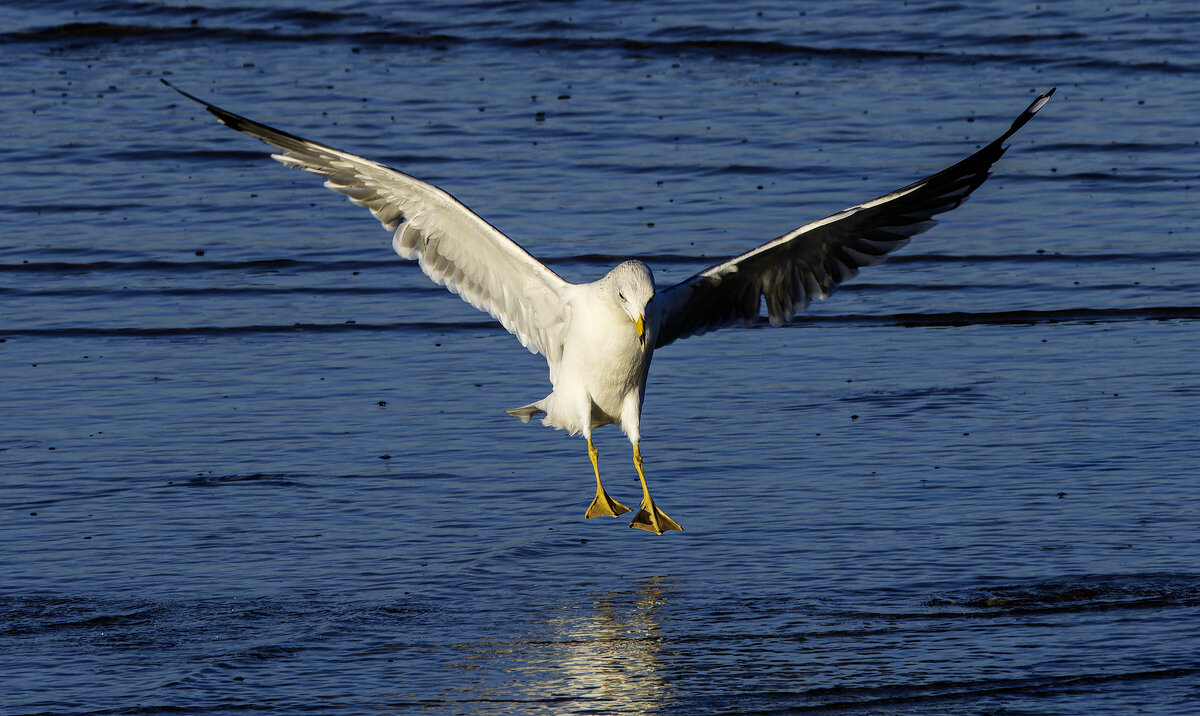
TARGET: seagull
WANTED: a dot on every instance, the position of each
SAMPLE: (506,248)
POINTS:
(598,338)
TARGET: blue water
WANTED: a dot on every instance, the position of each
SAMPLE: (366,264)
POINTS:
(252,462)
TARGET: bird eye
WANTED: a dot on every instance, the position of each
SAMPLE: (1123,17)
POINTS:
(621,295)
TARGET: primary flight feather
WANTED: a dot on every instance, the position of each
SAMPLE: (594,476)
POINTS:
(598,338)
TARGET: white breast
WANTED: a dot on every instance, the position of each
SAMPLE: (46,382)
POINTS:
(603,364)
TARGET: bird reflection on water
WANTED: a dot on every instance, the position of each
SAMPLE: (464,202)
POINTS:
(617,651)
(606,655)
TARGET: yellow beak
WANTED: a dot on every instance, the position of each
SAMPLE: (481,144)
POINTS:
(640,325)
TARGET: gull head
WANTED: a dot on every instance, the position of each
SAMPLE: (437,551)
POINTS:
(631,285)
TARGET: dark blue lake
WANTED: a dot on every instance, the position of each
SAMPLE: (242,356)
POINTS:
(253,462)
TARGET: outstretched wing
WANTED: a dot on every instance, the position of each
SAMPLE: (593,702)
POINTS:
(452,245)
(809,262)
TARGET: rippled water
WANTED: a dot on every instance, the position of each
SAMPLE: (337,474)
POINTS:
(251,461)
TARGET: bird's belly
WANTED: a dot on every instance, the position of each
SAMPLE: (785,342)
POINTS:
(599,378)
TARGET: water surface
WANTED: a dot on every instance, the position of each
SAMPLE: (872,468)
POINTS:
(251,461)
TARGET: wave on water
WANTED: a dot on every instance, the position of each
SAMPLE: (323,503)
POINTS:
(208,331)
(950,696)
(1017,317)
(123,277)
(262,478)
(1078,594)
(190,267)
(244,25)
(901,320)
(589,259)
(229,635)
(203,265)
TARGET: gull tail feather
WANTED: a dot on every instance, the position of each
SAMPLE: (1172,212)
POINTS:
(525,412)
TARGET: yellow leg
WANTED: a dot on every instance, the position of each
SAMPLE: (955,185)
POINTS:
(602,504)
(650,518)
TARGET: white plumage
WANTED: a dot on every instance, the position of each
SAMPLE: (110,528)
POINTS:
(598,338)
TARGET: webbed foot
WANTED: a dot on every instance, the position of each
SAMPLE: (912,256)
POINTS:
(603,505)
(652,519)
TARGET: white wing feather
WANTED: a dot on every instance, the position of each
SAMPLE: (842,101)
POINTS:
(451,244)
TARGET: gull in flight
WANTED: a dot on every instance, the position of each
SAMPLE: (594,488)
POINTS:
(598,337)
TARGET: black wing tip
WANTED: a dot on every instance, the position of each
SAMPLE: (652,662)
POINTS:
(224,116)
(207,105)
(1033,108)
(1036,106)
(259,130)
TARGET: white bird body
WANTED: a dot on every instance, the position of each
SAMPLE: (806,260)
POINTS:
(600,378)
(598,338)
